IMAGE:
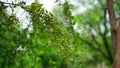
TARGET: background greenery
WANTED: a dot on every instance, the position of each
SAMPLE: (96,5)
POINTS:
(57,39)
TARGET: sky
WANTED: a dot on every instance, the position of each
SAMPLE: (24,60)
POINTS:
(48,4)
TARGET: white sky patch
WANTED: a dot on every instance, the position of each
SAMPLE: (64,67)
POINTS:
(21,14)
(48,4)
(80,31)
(81,8)
(20,48)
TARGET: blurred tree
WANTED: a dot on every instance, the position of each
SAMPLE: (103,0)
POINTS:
(96,30)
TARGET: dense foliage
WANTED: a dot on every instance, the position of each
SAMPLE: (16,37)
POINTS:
(41,44)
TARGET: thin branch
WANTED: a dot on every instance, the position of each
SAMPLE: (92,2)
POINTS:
(9,3)
(104,23)
(96,42)
(94,48)
(18,4)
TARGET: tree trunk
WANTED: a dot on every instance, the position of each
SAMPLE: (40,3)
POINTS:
(116,63)
(115,33)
